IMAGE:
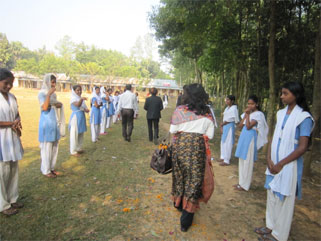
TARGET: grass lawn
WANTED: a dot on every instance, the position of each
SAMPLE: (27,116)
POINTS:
(110,192)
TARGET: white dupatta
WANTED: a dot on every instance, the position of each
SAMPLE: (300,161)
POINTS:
(76,98)
(282,181)
(261,128)
(60,114)
(10,143)
(230,113)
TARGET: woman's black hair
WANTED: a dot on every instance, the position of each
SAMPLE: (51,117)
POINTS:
(256,100)
(52,77)
(297,90)
(97,87)
(196,99)
(5,74)
(76,86)
(232,98)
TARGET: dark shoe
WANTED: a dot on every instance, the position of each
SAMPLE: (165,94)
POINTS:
(10,211)
(128,139)
(17,205)
(183,229)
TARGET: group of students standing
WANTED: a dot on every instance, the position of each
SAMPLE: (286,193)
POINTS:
(284,159)
(192,125)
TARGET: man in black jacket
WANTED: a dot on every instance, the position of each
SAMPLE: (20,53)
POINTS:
(153,106)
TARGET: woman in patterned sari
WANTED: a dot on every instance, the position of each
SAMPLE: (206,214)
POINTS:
(192,126)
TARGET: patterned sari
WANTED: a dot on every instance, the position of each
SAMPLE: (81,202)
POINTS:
(193,179)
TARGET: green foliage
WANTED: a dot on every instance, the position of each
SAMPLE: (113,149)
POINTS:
(224,44)
(79,58)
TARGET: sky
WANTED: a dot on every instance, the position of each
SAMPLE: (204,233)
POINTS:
(108,24)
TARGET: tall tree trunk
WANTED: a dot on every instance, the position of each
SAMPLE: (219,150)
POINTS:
(272,95)
(316,105)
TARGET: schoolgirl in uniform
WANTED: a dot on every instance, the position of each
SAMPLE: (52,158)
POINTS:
(103,111)
(11,150)
(95,117)
(77,122)
(253,137)
(285,162)
(111,108)
(51,125)
(230,118)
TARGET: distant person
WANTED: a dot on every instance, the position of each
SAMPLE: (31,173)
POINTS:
(252,138)
(165,100)
(103,110)
(153,106)
(77,122)
(192,178)
(128,109)
(230,119)
(95,116)
(11,150)
(137,98)
(285,162)
(111,108)
(116,102)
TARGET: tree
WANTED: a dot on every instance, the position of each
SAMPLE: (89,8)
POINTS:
(66,47)
(5,54)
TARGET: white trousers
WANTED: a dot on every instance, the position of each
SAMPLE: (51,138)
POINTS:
(9,184)
(165,103)
(49,153)
(103,122)
(226,147)
(108,122)
(279,213)
(246,168)
(115,118)
(94,132)
(76,140)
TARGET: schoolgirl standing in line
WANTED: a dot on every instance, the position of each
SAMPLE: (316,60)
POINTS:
(111,108)
(103,111)
(253,137)
(51,125)
(285,162)
(77,122)
(115,102)
(11,150)
(95,117)
(230,118)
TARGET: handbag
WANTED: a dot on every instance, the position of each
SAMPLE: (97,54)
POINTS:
(162,158)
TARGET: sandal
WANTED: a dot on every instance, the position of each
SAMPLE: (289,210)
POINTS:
(262,230)
(17,205)
(220,160)
(80,152)
(267,237)
(9,212)
(51,175)
(224,164)
(239,188)
(56,173)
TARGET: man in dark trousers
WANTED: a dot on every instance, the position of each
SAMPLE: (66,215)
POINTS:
(153,106)
(129,109)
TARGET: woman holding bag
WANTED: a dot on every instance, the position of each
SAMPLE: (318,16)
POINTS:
(192,126)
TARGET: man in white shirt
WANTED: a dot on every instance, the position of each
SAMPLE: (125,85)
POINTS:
(128,108)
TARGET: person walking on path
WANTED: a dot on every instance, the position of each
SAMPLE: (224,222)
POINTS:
(153,106)
(192,176)
(128,109)
(11,150)
(51,125)
(165,100)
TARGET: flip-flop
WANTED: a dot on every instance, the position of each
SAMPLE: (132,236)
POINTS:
(223,164)
(239,188)
(262,230)
(51,175)
(267,237)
